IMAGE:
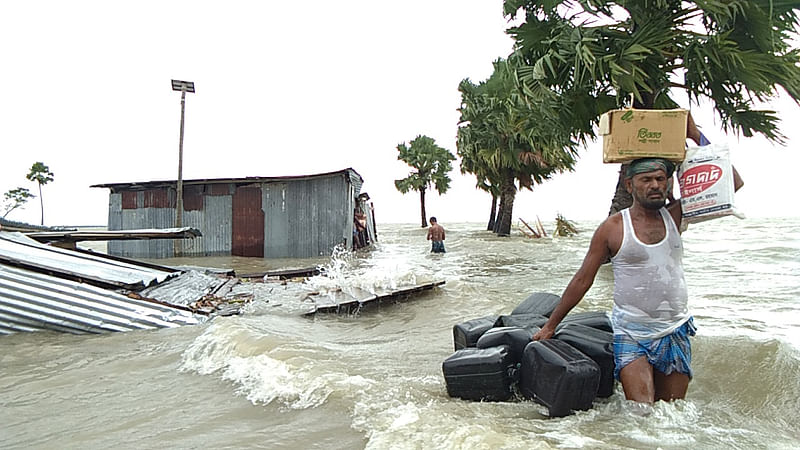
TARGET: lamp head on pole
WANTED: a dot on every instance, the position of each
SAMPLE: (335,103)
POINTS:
(183,86)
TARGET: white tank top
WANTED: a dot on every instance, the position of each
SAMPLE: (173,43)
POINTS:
(650,298)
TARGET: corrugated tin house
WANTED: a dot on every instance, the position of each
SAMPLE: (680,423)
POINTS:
(270,217)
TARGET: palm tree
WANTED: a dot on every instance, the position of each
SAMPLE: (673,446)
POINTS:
(507,141)
(594,55)
(41,174)
(431,164)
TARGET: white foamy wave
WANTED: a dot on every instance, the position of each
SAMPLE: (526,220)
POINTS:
(263,380)
(209,352)
(295,383)
(397,417)
(379,276)
(339,266)
(376,280)
(441,431)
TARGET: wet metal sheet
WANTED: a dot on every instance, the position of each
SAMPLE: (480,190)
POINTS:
(187,288)
(353,299)
(19,250)
(31,301)
(285,274)
(109,235)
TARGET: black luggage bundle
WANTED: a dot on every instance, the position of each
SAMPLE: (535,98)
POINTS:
(598,345)
(467,334)
(496,359)
(558,376)
(480,373)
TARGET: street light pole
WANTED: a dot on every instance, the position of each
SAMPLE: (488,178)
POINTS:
(184,87)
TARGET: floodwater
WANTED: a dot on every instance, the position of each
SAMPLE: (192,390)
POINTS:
(272,378)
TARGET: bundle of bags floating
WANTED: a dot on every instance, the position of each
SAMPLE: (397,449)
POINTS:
(705,173)
(496,360)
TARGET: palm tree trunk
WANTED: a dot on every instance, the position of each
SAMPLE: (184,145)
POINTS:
(500,207)
(422,207)
(490,227)
(41,202)
(622,199)
(509,191)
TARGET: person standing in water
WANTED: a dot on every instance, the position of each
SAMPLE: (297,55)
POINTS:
(436,236)
(650,317)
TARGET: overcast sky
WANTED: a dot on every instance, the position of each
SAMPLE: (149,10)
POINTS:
(283,88)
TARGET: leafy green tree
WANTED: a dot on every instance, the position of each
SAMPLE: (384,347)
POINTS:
(594,54)
(14,199)
(506,140)
(41,174)
(431,164)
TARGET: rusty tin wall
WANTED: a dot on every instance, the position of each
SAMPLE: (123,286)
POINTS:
(213,220)
(123,216)
(248,221)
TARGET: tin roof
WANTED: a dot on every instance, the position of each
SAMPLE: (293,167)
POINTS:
(31,301)
(21,251)
(112,235)
(152,184)
(49,288)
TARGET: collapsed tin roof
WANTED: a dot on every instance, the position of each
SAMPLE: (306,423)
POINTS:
(44,287)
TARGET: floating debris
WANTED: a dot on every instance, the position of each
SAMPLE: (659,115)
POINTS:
(352,299)
(564,227)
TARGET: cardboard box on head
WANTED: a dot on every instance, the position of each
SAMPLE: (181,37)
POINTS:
(630,134)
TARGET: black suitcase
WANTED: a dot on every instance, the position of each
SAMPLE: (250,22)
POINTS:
(527,321)
(466,334)
(558,376)
(480,373)
(594,319)
(515,337)
(596,344)
(542,303)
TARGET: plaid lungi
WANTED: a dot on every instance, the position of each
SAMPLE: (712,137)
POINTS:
(671,353)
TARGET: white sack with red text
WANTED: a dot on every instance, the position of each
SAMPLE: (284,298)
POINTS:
(706,181)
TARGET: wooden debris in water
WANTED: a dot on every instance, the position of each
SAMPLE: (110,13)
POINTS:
(564,228)
(536,234)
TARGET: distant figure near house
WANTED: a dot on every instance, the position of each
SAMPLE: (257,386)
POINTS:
(436,236)
(360,234)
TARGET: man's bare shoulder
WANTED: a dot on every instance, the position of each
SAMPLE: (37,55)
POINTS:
(675,210)
(609,234)
(611,224)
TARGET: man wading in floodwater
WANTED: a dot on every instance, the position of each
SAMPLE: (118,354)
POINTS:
(650,317)
(436,236)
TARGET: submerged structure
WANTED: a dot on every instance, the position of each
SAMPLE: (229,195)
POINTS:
(44,287)
(267,217)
